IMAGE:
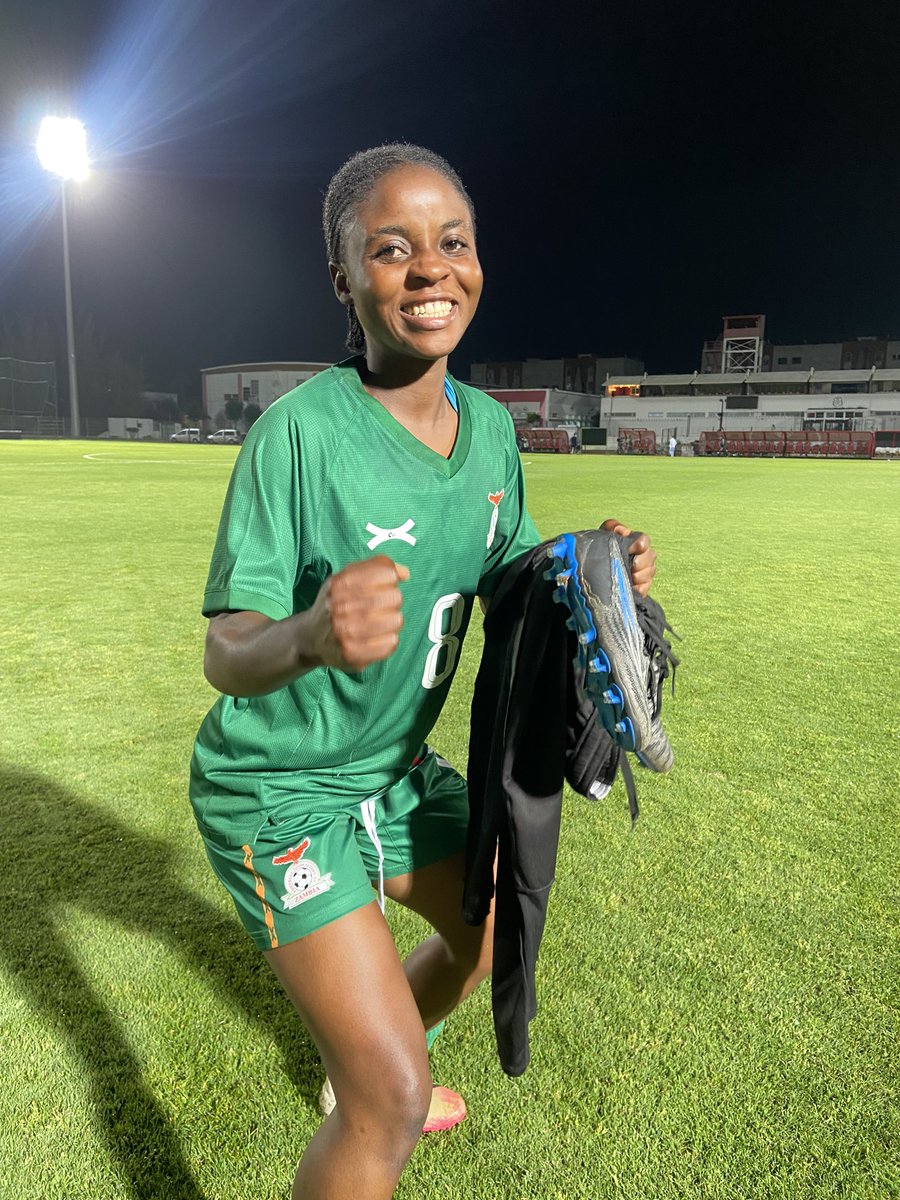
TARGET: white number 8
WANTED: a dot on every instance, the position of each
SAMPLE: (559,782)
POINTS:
(454,605)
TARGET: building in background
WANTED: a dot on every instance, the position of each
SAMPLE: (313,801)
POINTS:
(687,405)
(583,374)
(742,346)
(852,386)
(257,384)
(861,354)
(549,407)
(135,429)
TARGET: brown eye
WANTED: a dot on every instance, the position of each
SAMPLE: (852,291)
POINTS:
(390,252)
(454,245)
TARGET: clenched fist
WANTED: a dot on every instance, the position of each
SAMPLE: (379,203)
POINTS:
(356,618)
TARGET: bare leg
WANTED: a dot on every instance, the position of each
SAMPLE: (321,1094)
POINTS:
(446,967)
(347,983)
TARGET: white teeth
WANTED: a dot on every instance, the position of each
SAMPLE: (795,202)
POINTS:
(434,308)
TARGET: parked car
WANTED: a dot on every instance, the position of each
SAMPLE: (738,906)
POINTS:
(228,437)
(186,435)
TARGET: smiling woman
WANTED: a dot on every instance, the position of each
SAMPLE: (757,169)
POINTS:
(367,510)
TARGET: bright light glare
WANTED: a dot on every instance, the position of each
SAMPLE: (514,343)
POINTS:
(62,147)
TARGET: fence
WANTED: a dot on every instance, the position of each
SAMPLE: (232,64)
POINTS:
(27,395)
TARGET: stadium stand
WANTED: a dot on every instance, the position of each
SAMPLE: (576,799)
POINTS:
(788,443)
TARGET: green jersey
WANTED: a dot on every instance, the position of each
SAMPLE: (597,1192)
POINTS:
(327,477)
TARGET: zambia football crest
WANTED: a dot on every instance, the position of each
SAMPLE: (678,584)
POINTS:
(495,498)
(302,879)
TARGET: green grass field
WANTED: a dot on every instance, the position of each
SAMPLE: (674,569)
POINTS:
(718,990)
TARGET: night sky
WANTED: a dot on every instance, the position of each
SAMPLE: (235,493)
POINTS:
(639,169)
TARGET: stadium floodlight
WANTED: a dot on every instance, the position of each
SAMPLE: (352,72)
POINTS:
(62,147)
(62,150)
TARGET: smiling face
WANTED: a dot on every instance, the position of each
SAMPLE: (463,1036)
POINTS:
(410,268)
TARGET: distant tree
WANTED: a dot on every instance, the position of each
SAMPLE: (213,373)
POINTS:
(191,405)
(534,418)
(234,409)
(252,412)
(164,409)
(187,384)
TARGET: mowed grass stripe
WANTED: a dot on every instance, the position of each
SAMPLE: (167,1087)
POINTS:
(718,989)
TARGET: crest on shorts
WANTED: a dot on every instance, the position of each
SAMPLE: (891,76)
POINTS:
(495,498)
(302,879)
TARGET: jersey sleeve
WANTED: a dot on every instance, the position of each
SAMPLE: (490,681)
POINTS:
(256,559)
(515,531)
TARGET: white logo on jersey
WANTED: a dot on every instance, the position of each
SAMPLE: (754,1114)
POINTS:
(401,533)
(495,498)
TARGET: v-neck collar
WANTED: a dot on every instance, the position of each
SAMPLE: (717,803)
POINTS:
(400,434)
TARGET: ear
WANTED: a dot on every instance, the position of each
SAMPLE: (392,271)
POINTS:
(340,283)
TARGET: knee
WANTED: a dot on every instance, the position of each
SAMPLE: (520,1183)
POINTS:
(391,1105)
(404,1101)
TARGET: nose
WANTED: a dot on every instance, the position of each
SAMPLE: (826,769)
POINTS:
(429,264)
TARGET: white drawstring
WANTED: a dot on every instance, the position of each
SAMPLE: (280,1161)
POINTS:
(368,814)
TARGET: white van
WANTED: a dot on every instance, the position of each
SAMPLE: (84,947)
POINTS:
(227,437)
(186,435)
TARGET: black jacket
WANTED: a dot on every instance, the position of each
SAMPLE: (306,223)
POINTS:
(530,727)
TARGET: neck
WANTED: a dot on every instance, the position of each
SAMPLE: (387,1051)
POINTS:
(409,383)
(413,393)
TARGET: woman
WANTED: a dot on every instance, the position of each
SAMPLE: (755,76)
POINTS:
(367,510)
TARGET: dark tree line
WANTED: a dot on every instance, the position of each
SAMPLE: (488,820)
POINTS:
(237,411)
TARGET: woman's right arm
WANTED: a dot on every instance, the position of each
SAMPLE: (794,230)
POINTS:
(355,620)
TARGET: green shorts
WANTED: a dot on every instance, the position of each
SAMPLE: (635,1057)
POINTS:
(292,866)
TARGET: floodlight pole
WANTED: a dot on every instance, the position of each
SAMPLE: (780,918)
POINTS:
(70,327)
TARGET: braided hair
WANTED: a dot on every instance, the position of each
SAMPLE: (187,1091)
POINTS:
(350,187)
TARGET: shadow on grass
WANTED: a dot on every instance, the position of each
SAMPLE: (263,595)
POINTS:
(59,851)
